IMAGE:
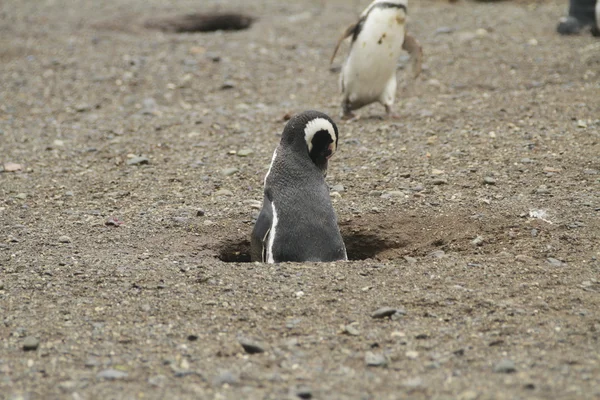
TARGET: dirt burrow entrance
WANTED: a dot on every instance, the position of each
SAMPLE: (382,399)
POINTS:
(384,237)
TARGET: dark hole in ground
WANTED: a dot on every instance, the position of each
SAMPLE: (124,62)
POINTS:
(362,246)
(235,250)
(199,22)
(359,246)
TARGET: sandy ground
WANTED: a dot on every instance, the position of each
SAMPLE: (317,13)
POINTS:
(475,215)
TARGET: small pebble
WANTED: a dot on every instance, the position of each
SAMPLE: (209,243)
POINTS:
(21,196)
(410,260)
(443,30)
(351,330)
(375,193)
(64,239)
(138,161)
(92,362)
(304,392)
(12,167)
(384,312)
(413,383)
(337,188)
(223,192)
(245,152)
(250,346)
(112,221)
(439,181)
(229,171)
(226,377)
(375,359)
(393,193)
(525,259)
(68,386)
(505,367)
(468,395)
(437,254)
(30,343)
(534,233)
(542,190)
(82,107)
(111,374)
(488,180)
(554,262)
(157,380)
(478,241)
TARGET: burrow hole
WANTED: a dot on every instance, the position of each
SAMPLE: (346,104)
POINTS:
(359,246)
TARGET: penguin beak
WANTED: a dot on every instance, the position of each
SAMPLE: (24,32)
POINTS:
(329,151)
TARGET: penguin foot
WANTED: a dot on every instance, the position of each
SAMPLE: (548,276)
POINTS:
(573,26)
(389,114)
(349,116)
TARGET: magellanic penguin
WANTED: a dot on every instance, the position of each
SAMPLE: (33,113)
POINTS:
(378,38)
(297,222)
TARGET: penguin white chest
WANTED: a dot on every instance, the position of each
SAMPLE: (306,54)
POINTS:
(371,64)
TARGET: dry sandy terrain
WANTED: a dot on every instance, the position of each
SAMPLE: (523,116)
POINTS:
(475,215)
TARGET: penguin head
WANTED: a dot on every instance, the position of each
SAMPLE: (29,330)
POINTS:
(400,4)
(312,134)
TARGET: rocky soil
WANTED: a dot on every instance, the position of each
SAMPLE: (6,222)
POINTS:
(132,165)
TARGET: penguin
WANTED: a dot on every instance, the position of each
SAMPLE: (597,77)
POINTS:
(378,38)
(297,222)
(596,29)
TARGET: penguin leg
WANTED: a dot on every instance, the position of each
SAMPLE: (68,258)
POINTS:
(388,96)
(414,49)
(347,113)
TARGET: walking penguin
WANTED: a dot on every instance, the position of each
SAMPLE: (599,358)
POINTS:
(378,38)
(297,221)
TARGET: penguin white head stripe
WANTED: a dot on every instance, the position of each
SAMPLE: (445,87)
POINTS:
(320,126)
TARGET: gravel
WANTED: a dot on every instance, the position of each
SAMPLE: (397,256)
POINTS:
(127,298)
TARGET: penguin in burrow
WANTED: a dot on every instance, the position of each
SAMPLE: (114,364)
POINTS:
(297,222)
(377,41)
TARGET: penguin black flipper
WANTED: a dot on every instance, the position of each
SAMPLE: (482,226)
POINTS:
(352,30)
(260,233)
(412,46)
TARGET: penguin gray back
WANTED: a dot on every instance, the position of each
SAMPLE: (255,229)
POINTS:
(297,221)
